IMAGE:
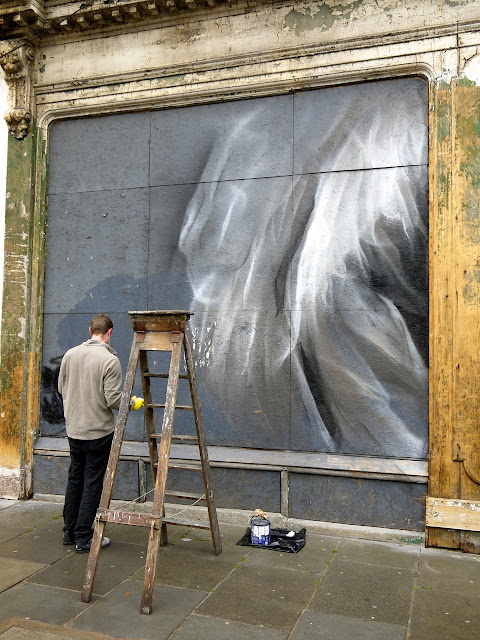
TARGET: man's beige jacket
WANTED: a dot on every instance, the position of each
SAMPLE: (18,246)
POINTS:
(90,381)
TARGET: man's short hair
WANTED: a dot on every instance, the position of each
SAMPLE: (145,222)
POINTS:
(100,324)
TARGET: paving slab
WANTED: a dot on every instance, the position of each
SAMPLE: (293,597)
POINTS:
(229,533)
(13,571)
(383,553)
(202,628)
(116,563)
(368,592)
(37,602)
(323,626)
(262,595)
(17,633)
(455,572)
(314,557)
(442,615)
(4,503)
(9,532)
(21,629)
(29,514)
(43,544)
(118,613)
(192,564)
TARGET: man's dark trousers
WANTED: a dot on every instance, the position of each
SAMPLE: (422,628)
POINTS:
(88,463)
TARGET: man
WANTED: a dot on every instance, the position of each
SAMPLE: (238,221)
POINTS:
(90,381)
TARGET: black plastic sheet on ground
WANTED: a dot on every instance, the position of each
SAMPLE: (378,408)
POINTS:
(279,540)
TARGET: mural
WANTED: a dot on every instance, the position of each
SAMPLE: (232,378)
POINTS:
(294,227)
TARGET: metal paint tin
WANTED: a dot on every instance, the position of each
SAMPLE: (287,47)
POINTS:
(260,531)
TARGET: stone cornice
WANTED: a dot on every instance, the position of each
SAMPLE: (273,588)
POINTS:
(21,18)
(31,18)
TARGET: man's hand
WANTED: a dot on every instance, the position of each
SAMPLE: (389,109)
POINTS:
(136,403)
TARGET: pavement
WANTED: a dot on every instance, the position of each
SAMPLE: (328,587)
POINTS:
(335,588)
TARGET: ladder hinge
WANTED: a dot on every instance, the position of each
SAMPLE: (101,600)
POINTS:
(175,326)
(140,331)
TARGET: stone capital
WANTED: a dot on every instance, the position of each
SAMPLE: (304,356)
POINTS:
(16,58)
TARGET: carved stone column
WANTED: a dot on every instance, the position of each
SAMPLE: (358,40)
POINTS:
(17,67)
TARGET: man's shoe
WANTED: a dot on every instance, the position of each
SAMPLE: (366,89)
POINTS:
(68,538)
(85,548)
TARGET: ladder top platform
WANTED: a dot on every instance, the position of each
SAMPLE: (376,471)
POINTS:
(158,320)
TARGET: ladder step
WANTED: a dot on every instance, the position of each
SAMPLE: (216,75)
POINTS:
(125,517)
(188,465)
(156,405)
(176,438)
(185,496)
(182,522)
(181,438)
(184,376)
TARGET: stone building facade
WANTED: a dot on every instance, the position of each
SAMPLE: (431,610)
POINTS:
(303,178)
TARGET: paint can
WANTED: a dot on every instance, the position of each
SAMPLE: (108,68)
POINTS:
(260,528)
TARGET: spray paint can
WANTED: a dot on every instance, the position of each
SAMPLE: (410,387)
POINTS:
(260,531)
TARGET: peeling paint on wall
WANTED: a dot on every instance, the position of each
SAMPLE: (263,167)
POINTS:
(14,312)
(454,3)
(3,177)
(467,125)
(471,70)
(471,288)
(323,19)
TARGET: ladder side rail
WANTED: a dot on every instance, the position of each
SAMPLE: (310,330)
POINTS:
(162,469)
(167,426)
(150,430)
(109,478)
(149,418)
(120,427)
(202,445)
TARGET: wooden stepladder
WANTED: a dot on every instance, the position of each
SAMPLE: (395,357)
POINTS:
(155,331)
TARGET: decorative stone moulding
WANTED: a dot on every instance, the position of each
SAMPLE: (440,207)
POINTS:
(31,19)
(103,14)
(16,57)
(22,19)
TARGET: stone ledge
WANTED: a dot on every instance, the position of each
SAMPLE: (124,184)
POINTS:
(366,467)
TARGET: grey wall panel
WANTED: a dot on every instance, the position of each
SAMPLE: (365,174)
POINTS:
(168,282)
(233,488)
(244,389)
(332,499)
(126,486)
(105,153)
(397,505)
(359,353)
(236,240)
(225,141)
(381,124)
(308,286)
(50,474)
(97,246)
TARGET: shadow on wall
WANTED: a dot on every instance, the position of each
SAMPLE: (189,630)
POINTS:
(51,402)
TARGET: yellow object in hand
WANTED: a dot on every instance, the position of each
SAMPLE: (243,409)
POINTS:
(136,403)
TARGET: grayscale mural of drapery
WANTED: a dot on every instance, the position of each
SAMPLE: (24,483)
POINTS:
(295,228)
